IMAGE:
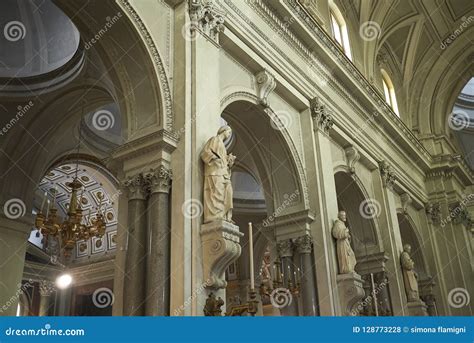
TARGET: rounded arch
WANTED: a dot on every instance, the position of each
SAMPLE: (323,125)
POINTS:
(353,198)
(272,149)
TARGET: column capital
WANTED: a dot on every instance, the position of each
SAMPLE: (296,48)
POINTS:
(304,244)
(207,18)
(158,180)
(46,288)
(321,115)
(135,186)
(285,248)
(387,175)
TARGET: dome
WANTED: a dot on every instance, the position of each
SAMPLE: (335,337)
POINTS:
(36,38)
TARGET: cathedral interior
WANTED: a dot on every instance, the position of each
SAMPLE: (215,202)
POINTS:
(236,158)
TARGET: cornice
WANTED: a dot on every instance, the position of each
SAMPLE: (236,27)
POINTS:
(160,140)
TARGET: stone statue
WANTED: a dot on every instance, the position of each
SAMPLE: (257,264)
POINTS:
(217,183)
(410,277)
(345,254)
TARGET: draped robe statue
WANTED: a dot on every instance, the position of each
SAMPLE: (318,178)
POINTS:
(345,254)
(410,277)
(217,182)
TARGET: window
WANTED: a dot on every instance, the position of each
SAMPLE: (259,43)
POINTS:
(389,92)
(339,29)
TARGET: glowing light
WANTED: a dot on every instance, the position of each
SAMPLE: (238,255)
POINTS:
(64,281)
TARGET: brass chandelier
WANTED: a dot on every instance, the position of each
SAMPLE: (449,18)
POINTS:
(71,229)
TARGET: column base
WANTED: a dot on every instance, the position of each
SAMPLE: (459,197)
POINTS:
(417,308)
(351,292)
(220,247)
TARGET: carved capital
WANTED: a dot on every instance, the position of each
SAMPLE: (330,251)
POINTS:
(433,212)
(136,187)
(285,248)
(304,244)
(321,115)
(382,59)
(265,85)
(46,288)
(220,248)
(388,176)
(459,215)
(352,156)
(158,180)
(206,18)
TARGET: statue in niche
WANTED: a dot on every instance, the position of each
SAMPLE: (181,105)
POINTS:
(217,177)
(345,254)
(410,277)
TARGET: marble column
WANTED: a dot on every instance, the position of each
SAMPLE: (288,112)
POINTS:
(285,251)
(158,261)
(46,289)
(308,285)
(135,265)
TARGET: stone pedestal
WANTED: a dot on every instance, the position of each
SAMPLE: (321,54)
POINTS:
(417,308)
(220,247)
(351,292)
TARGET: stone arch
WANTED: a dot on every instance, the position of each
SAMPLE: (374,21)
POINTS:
(410,235)
(353,198)
(249,102)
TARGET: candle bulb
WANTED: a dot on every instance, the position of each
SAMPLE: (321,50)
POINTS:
(252,279)
(44,200)
(47,209)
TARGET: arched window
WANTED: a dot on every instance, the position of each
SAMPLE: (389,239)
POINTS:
(389,92)
(339,29)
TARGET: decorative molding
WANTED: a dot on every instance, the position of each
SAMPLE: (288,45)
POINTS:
(220,248)
(387,175)
(352,157)
(285,248)
(160,67)
(266,83)
(158,180)
(136,187)
(433,212)
(406,200)
(321,115)
(206,18)
(304,244)
(46,288)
